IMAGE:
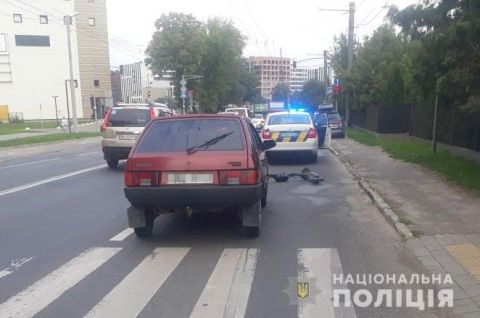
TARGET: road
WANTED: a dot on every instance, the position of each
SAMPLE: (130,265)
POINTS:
(65,250)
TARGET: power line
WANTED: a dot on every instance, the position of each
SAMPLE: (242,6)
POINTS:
(257,26)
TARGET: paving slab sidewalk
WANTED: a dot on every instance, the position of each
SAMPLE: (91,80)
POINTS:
(445,217)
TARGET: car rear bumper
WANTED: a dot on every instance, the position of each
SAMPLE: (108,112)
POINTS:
(116,153)
(193,196)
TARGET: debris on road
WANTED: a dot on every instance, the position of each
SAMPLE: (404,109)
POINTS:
(306,174)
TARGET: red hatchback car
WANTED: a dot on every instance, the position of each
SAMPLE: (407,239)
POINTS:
(197,163)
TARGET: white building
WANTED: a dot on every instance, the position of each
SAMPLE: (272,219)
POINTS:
(139,84)
(298,78)
(34,64)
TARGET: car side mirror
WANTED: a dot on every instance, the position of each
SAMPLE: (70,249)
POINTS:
(268,144)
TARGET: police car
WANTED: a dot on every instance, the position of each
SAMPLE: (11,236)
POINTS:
(295,135)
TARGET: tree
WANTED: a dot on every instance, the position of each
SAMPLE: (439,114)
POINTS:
(280,93)
(222,66)
(177,44)
(312,94)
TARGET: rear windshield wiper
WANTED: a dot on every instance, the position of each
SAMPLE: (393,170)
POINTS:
(209,142)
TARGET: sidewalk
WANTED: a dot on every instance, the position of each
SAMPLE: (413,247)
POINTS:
(445,217)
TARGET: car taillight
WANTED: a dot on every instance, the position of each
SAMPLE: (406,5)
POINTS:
(266,134)
(151,113)
(106,121)
(141,179)
(238,177)
(312,133)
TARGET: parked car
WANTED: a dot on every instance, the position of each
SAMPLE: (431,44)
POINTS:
(294,134)
(197,163)
(320,120)
(122,126)
(242,111)
(335,122)
(258,121)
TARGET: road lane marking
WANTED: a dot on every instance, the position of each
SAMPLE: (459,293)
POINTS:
(39,295)
(88,154)
(51,179)
(228,288)
(14,266)
(28,163)
(129,297)
(318,265)
(122,235)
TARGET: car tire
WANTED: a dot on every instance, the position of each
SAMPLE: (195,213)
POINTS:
(254,231)
(112,163)
(314,158)
(147,230)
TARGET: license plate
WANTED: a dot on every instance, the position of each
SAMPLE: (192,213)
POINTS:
(190,178)
(289,134)
(127,137)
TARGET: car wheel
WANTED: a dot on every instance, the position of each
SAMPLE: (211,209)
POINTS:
(255,211)
(147,230)
(112,163)
(314,158)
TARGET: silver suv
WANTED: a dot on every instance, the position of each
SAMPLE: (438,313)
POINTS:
(122,126)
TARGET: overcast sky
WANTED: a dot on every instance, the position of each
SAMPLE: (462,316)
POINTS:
(297,28)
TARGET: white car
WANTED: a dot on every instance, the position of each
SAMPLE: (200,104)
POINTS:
(242,111)
(294,133)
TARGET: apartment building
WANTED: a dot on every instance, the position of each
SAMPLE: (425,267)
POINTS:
(298,78)
(270,71)
(34,63)
(138,83)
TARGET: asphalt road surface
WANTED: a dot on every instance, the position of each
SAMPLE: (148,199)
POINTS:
(66,251)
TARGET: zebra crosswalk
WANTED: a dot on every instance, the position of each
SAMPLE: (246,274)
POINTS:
(225,294)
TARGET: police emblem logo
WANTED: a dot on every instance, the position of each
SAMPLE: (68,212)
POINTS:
(303,289)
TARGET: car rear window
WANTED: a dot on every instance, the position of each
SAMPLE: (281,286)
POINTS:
(334,116)
(289,119)
(129,117)
(182,134)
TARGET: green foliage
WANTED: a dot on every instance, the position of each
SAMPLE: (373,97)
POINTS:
(280,92)
(212,50)
(312,94)
(456,169)
(48,138)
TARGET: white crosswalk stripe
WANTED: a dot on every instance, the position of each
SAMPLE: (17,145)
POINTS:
(131,295)
(122,235)
(226,293)
(318,265)
(39,295)
(227,290)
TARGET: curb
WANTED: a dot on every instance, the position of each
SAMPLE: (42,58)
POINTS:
(381,205)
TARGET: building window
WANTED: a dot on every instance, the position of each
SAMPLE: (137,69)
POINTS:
(32,40)
(43,19)
(91,21)
(17,18)
(96,83)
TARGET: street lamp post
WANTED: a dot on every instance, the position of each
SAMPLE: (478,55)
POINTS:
(68,22)
(56,109)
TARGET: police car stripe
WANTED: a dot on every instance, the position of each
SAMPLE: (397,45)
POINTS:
(317,266)
(129,297)
(228,287)
(275,135)
(302,136)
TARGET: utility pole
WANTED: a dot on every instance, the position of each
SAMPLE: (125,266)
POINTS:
(56,109)
(68,22)
(94,95)
(325,75)
(351,30)
(435,110)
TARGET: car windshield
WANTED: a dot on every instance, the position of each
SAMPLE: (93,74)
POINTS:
(258,116)
(181,135)
(289,119)
(129,117)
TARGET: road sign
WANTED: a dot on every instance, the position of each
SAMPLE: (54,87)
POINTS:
(183,82)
